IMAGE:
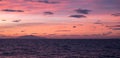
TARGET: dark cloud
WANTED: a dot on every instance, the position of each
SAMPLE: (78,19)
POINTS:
(74,26)
(49,2)
(78,16)
(44,1)
(3,20)
(16,20)
(83,11)
(116,14)
(115,28)
(22,31)
(11,10)
(63,30)
(48,13)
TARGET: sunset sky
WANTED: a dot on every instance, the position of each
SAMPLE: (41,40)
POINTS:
(60,18)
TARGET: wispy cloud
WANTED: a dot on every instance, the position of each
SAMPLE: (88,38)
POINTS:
(116,14)
(16,20)
(98,22)
(114,26)
(1,31)
(34,33)
(108,33)
(63,30)
(96,35)
(2,36)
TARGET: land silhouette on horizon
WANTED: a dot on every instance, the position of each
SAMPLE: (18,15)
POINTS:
(39,37)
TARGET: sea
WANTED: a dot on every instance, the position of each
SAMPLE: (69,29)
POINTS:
(59,48)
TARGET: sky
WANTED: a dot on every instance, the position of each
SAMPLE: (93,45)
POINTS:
(60,18)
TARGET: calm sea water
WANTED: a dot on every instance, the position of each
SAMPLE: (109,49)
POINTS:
(51,48)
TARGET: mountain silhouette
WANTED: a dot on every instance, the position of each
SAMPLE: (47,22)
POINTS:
(31,37)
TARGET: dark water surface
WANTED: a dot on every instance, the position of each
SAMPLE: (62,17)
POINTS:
(52,48)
